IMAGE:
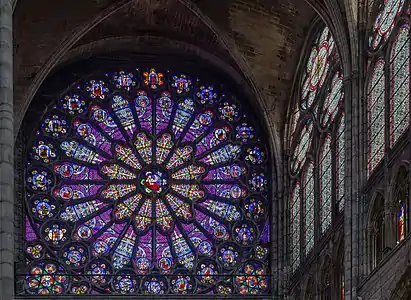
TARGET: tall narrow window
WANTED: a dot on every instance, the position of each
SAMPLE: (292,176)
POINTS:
(333,100)
(295,228)
(401,221)
(377,230)
(308,199)
(340,167)
(326,287)
(399,85)
(388,99)
(401,203)
(300,152)
(376,116)
(315,114)
(326,185)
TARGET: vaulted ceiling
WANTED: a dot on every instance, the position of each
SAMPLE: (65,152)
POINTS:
(260,39)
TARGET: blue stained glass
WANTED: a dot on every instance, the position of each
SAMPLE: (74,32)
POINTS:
(128,181)
(144,111)
(185,110)
(122,109)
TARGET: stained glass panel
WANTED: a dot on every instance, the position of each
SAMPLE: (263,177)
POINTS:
(295,228)
(298,157)
(399,85)
(294,121)
(308,203)
(325,185)
(317,67)
(401,216)
(333,99)
(385,22)
(340,167)
(149,184)
(376,116)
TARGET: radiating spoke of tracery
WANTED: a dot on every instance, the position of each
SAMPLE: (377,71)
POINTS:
(139,175)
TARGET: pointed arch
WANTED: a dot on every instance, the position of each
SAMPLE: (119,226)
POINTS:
(399,196)
(376,229)
(315,123)
(388,84)
(326,279)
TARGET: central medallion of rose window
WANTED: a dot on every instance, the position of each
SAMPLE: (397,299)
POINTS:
(154,181)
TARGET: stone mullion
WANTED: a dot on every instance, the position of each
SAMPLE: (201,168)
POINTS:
(353,174)
(6,153)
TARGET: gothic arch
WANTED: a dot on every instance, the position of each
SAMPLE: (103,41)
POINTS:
(376,229)
(326,278)
(57,124)
(69,41)
(309,288)
(399,202)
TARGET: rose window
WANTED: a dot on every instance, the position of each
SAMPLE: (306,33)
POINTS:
(146,183)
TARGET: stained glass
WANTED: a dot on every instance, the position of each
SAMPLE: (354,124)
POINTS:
(128,181)
(401,231)
(299,154)
(401,198)
(295,228)
(385,22)
(399,85)
(340,167)
(308,204)
(317,68)
(333,99)
(376,116)
(325,185)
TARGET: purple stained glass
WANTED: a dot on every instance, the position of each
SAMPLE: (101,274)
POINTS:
(128,181)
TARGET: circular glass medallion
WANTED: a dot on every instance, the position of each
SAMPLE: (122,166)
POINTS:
(154,181)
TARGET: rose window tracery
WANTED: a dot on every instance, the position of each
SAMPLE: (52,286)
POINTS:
(143,182)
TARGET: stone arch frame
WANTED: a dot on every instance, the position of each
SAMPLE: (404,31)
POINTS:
(65,54)
(392,206)
(377,207)
(22,139)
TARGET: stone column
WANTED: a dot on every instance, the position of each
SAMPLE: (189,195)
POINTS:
(6,153)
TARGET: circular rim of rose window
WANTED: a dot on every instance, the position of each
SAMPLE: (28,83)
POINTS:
(140,179)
